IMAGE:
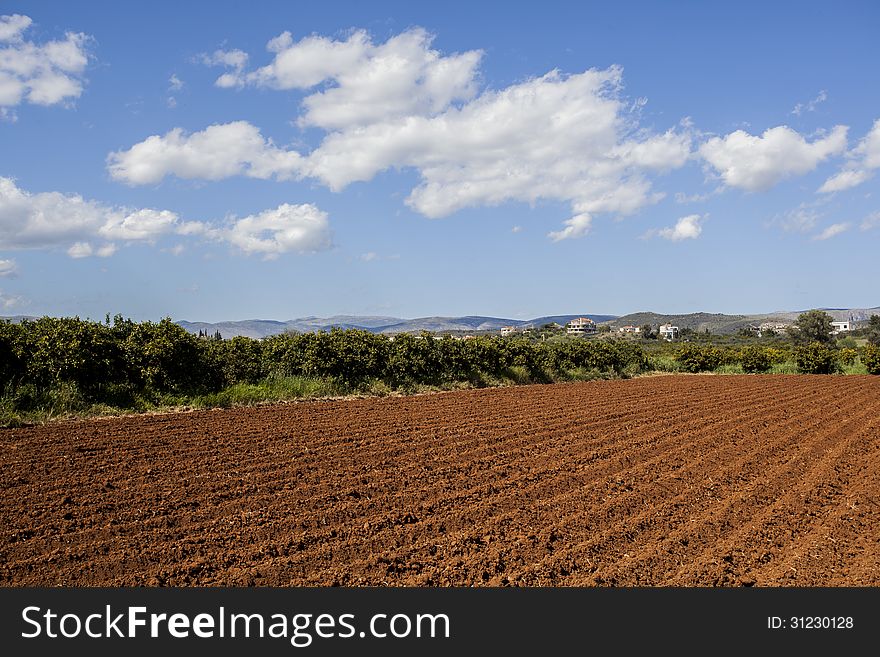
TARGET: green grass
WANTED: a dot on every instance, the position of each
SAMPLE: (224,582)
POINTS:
(271,389)
(788,367)
(664,363)
(730,369)
(28,406)
(856,368)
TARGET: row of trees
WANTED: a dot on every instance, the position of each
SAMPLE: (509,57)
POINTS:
(113,362)
(121,361)
(810,358)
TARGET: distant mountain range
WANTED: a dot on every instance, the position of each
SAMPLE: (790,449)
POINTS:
(260,328)
(714,322)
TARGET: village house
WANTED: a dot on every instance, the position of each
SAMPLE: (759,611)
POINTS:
(841,327)
(581,326)
(668,332)
(508,330)
(772,327)
(629,329)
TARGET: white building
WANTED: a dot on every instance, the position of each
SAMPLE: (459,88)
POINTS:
(668,331)
(771,328)
(841,327)
(508,330)
(629,329)
(581,326)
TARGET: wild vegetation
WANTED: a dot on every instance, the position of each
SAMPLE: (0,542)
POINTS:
(53,367)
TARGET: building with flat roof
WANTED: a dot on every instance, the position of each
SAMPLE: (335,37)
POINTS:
(581,326)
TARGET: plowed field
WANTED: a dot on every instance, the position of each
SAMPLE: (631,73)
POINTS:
(674,480)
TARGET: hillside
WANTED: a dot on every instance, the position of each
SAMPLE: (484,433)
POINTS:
(714,322)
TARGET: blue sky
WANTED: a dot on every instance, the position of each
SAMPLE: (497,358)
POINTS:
(230,160)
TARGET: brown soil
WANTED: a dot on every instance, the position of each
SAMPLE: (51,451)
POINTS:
(676,480)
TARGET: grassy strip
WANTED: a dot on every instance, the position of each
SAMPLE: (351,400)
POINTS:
(64,402)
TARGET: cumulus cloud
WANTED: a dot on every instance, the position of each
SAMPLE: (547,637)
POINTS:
(84,228)
(577,226)
(568,138)
(85,250)
(832,231)
(287,228)
(217,152)
(686,228)
(53,219)
(8,268)
(364,82)
(234,59)
(11,27)
(39,74)
(757,163)
(863,159)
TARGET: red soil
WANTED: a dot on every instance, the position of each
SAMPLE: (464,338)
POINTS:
(676,480)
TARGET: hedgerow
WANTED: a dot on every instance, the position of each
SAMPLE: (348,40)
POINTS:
(129,364)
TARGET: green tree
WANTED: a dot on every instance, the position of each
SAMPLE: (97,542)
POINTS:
(814,326)
(648,332)
(874,330)
(755,359)
(871,358)
(816,358)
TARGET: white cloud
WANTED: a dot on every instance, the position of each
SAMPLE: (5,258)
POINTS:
(287,228)
(516,229)
(365,82)
(52,219)
(869,147)
(11,27)
(86,250)
(86,228)
(843,181)
(810,106)
(372,256)
(217,152)
(863,159)
(871,221)
(686,228)
(234,59)
(175,84)
(802,219)
(40,74)
(578,226)
(8,268)
(557,137)
(832,231)
(757,163)
(8,301)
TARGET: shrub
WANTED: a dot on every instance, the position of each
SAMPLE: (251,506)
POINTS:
(816,358)
(755,359)
(693,358)
(847,356)
(871,358)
